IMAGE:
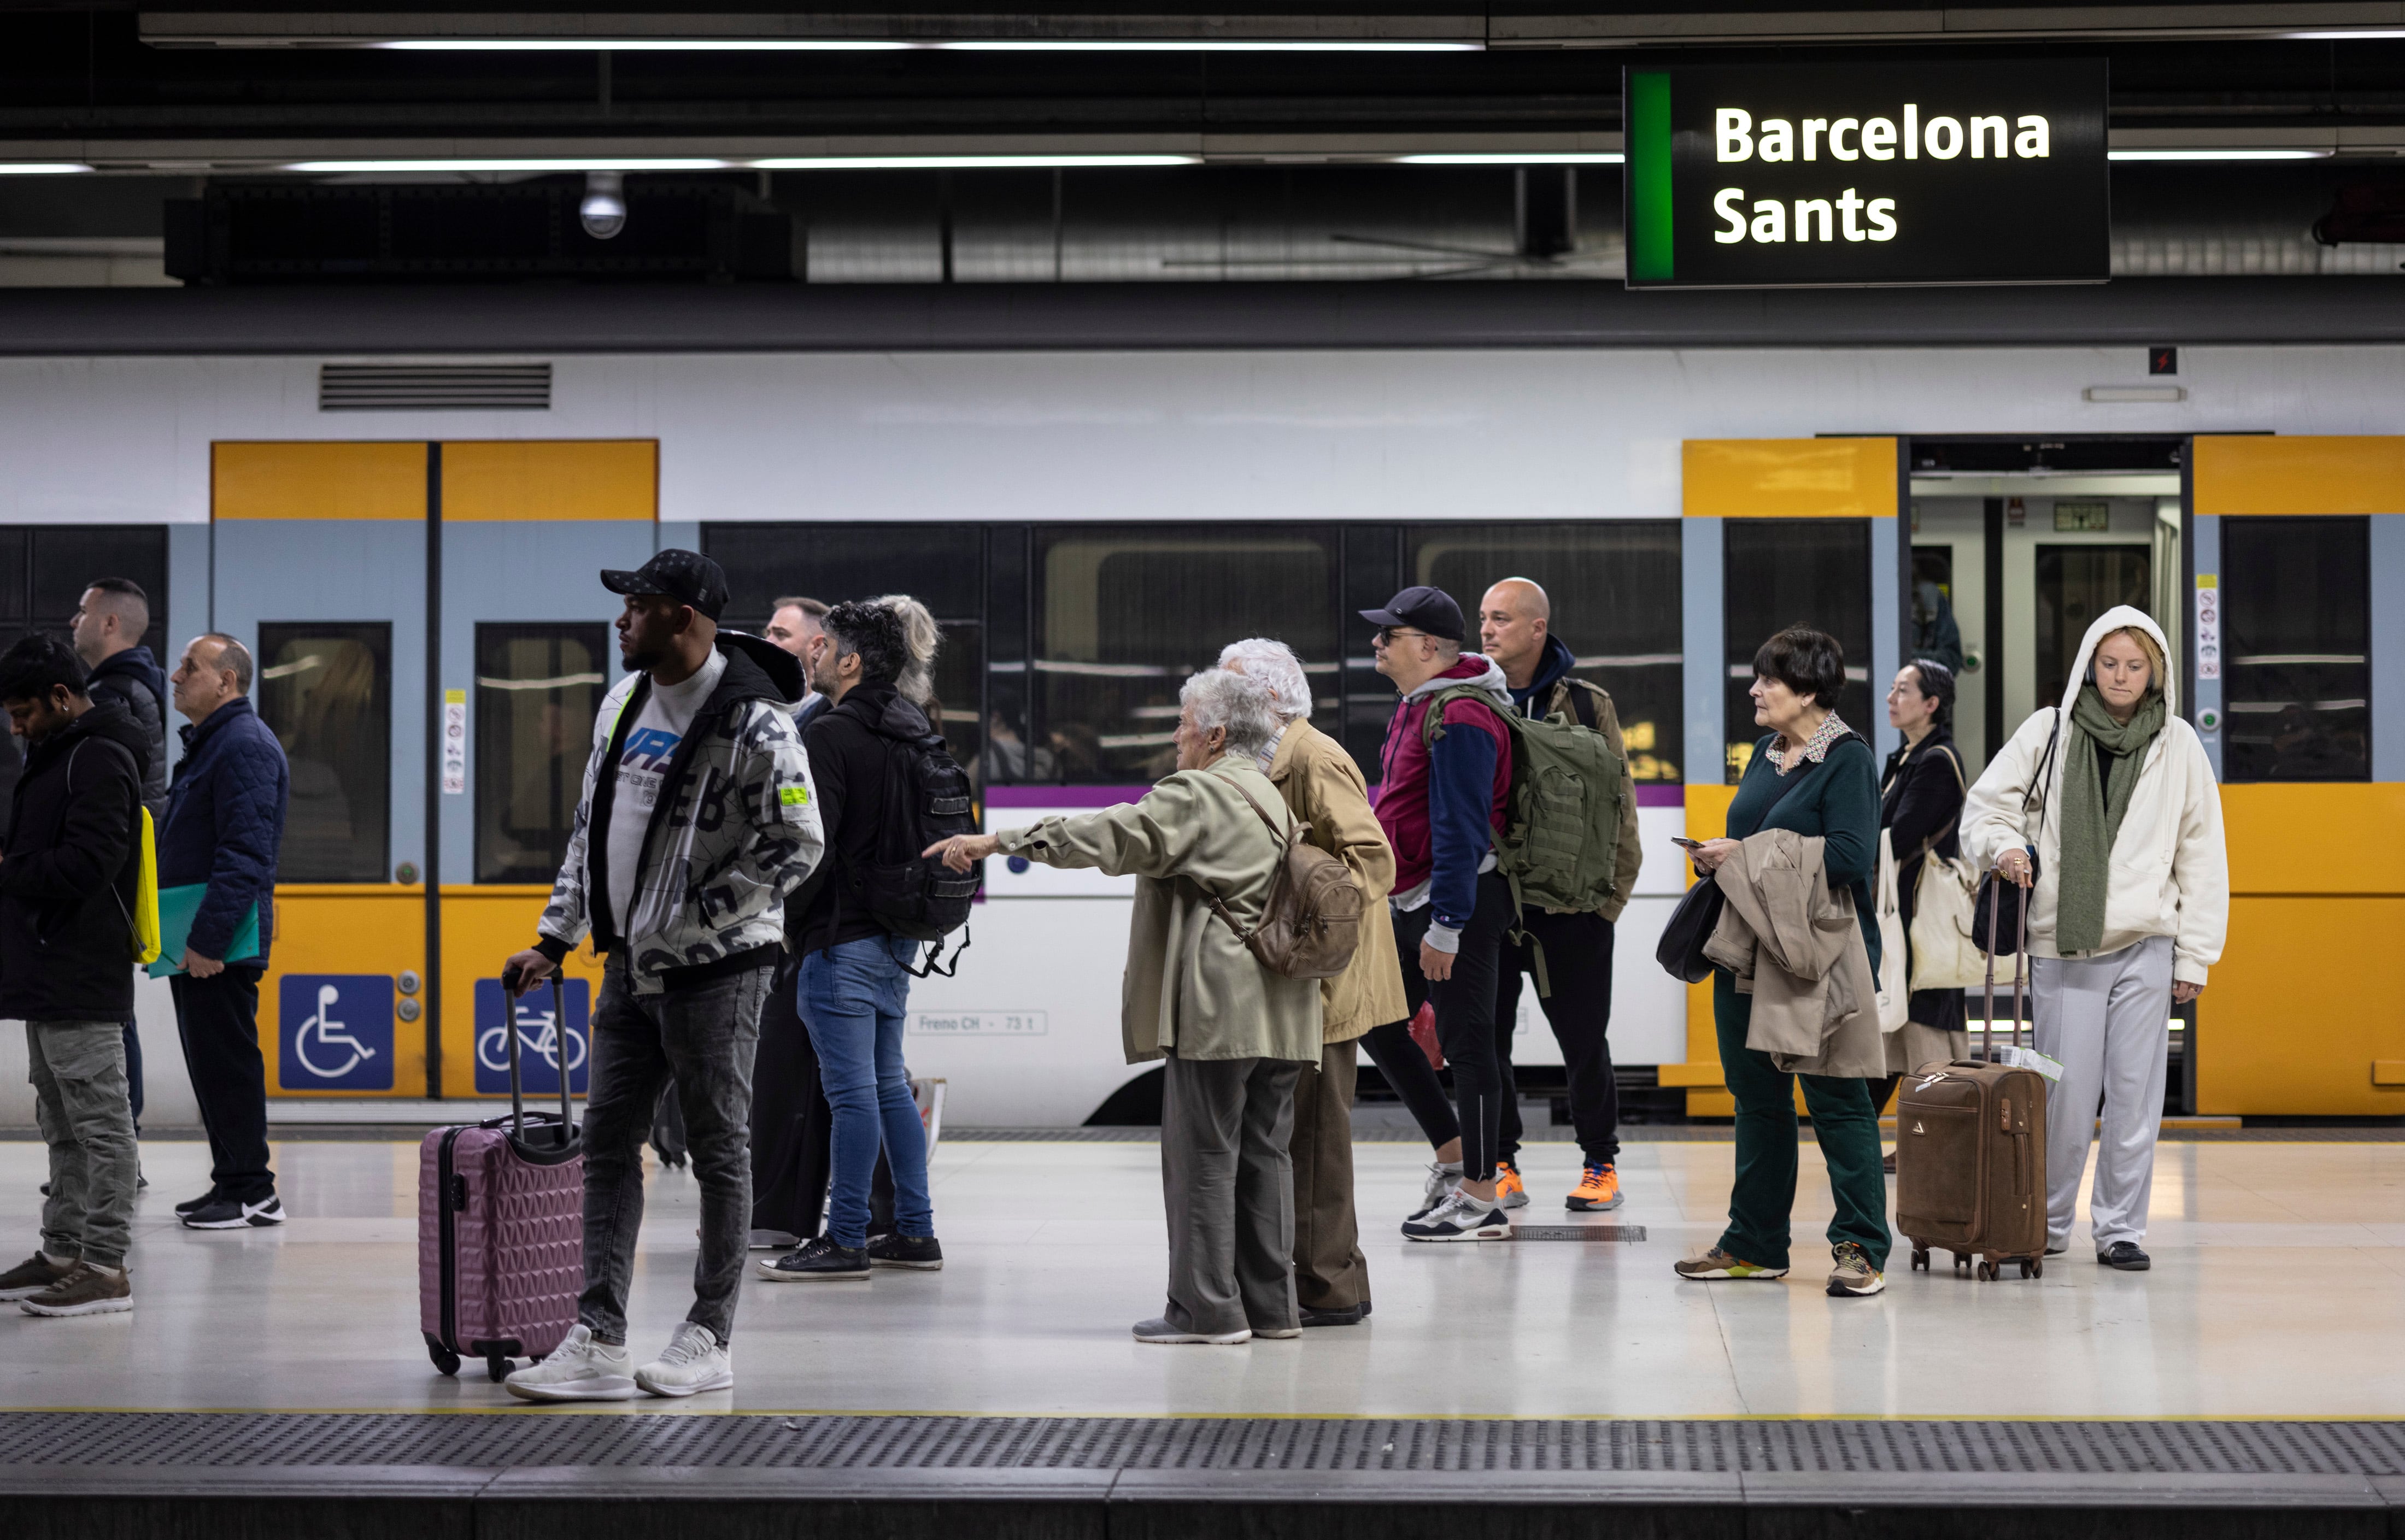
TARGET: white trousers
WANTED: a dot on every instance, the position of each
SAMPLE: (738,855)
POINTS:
(2105,1021)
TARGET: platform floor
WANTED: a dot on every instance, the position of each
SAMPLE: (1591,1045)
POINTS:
(2276,1295)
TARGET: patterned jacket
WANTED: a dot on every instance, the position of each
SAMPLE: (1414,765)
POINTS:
(735,828)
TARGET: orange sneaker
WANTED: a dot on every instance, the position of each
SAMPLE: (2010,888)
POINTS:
(1598,1188)
(1509,1191)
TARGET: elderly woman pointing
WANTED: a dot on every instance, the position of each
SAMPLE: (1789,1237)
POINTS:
(1235,1036)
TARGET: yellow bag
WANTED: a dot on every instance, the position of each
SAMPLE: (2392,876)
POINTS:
(146,897)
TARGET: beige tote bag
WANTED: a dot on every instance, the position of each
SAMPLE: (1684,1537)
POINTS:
(1943,956)
(1895,1000)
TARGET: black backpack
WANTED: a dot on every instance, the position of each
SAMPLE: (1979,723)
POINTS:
(927,799)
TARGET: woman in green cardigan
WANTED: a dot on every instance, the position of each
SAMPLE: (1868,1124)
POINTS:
(1814,775)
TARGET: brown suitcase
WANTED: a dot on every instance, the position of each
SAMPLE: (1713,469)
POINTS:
(1970,1154)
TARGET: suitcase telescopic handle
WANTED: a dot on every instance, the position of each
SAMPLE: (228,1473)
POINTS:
(2021,955)
(517,1100)
(559,1014)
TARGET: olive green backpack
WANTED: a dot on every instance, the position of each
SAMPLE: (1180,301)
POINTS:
(1561,824)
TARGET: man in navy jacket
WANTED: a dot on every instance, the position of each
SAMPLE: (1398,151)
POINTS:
(225,820)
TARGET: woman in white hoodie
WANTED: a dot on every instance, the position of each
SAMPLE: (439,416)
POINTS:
(2108,805)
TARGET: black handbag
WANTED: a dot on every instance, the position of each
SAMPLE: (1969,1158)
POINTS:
(1680,952)
(1997,921)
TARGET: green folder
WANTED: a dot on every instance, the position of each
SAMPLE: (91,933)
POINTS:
(176,907)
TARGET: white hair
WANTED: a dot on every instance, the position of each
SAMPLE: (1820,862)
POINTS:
(917,682)
(1241,704)
(1274,665)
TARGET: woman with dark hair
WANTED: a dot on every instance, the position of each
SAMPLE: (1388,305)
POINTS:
(1920,807)
(1813,774)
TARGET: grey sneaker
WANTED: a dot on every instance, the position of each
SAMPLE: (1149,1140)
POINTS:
(32,1275)
(1442,1178)
(579,1370)
(1718,1267)
(85,1290)
(695,1360)
(1160,1333)
(1461,1217)
(1854,1277)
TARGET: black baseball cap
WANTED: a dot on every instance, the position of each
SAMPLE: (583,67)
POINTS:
(1429,609)
(687,577)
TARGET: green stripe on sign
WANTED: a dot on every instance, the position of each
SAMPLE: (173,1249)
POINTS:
(1647,113)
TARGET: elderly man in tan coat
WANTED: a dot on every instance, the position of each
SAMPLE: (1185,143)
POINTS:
(1323,787)
(1235,1036)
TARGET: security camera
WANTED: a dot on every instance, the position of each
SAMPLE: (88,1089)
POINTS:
(603,212)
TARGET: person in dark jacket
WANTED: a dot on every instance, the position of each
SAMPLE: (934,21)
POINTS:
(1920,807)
(67,883)
(1812,775)
(855,975)
(225,824)
(107,628)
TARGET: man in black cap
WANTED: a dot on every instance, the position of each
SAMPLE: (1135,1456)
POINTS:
(698,820)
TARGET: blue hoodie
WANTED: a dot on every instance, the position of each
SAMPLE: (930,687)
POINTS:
(1557,660)
(225,822)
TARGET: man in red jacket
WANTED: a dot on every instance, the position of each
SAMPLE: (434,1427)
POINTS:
(1441,799)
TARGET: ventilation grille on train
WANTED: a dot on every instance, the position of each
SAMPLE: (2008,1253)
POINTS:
(433,388)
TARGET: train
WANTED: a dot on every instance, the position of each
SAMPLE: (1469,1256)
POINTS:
(409,543)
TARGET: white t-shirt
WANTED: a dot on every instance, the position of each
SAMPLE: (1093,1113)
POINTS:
(651,743)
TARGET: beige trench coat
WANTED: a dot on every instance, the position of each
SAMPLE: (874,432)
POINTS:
(1323,787)
(1190,985)
(1796,946)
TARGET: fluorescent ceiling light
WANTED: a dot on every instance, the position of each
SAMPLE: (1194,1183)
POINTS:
(2217,154)
(2343,37)
(1527,157)
(566,163)
(961,163)
(41,168)
(1181,44)
(644,45)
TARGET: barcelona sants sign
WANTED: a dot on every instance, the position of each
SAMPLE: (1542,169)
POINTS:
(1778,175)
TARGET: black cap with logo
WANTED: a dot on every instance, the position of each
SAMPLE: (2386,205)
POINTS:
(1429,609)
(687,577)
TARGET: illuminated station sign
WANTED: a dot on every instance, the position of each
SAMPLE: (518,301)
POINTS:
(1776,176)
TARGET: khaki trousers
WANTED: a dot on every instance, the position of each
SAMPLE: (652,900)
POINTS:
(1330,1271)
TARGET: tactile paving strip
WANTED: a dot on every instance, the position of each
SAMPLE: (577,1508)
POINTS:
(333,1439)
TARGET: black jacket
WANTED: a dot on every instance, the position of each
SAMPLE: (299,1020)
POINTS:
(848,767)
(1919,798)
(132,679)
(68,878)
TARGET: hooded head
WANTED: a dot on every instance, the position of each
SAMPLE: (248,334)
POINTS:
(2122,617)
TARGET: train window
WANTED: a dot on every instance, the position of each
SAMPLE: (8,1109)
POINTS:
(1615,593)
(2295,639)
(2075,583)
(538,688)
(325,690)
(1125,612)
(1783,572)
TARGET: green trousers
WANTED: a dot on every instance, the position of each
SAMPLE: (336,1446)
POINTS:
(1843,1120)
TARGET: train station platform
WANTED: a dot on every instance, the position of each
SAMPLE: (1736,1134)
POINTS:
(2246,1385)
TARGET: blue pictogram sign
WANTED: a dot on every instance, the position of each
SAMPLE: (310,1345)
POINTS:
(335,1032)
(545,1042)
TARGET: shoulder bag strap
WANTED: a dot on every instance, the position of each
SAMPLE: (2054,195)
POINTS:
(1934,841)
(1285,842)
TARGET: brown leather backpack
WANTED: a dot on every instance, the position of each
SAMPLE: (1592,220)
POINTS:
(1313,920)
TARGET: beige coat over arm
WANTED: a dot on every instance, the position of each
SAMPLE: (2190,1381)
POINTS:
(1796,945)
(1323,787)
(1190,985)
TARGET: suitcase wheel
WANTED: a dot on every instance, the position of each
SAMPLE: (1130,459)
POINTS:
(1962,1263)
(1988,1271)
(444,1359)
(1919,1260)
(497,1369)
(2034,1267)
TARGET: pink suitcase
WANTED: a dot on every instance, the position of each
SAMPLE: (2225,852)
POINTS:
(500,1230)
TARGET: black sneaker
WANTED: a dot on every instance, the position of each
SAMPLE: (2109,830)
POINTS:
(190,1205)
(918,1253)
(2125,1257)
(231,1213)
(1349,1316)
(818,1261)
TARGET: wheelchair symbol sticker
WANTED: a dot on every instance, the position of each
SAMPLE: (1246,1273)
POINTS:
(335,1032)
(544,1043)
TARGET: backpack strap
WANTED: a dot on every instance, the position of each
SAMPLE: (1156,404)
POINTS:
(1286,843)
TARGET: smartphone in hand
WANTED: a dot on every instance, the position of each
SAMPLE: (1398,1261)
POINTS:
(1686,844)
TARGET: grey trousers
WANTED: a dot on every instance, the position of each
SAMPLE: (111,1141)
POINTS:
(1225,1126)
(2105,1021)
(77,1068)
(701,1041)
(1330,1271)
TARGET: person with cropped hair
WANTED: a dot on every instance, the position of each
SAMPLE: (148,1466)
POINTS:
(1232,1035)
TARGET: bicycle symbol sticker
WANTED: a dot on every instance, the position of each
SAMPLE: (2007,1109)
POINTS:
(335,1032)
(540,1038)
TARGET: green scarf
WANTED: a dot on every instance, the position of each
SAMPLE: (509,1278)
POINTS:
(2092,812)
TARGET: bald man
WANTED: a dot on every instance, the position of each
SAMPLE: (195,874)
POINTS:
(1515,629)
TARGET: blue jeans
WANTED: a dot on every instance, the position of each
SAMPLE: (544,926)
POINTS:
(852,997)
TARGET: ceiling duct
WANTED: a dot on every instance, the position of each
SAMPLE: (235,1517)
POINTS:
(434,388)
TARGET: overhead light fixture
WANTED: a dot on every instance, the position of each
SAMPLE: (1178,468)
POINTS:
(603,209)
(1531,158)
(888,45)
(1198,44)
(961,163)
(2342,37)
(566,163)
(644,45)
(2217,154)
(41,168)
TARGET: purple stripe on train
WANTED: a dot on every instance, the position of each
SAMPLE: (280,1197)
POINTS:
(1052,798)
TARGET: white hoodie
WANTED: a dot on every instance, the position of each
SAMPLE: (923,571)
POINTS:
(2169,871)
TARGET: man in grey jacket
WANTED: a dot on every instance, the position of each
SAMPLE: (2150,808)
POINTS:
(697,820)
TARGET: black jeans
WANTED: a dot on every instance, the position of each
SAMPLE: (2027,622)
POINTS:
(217,1018)
(1465,1016)
(700,1039)
(1578,966)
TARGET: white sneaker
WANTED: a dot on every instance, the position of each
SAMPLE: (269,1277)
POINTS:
(1442,1179)
(695,1360)
(1160,1331)
(579,1370)
(1460,1217)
